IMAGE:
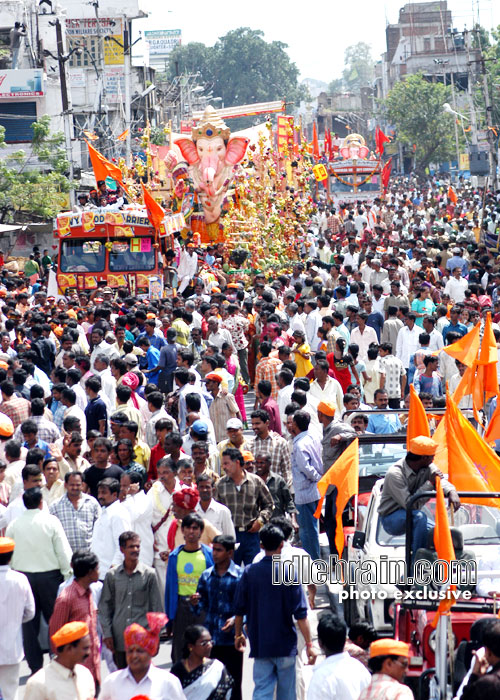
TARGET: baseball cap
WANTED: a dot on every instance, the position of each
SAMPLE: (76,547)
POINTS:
(234,424)
(131,359)
(200,427)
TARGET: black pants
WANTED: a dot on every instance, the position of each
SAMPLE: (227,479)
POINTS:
(44,586)
(233,661)
(184,617)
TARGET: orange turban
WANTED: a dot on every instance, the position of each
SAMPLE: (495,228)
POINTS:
(70,632)
(422,445)
(6,426)
(6,545)
(386,647)
(149,640)
(327,408)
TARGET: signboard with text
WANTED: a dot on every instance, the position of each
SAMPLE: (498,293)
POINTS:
(89,34)
(114,83)
(161,43)
(21,83)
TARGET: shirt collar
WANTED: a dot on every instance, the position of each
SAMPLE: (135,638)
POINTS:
(64,672)
(232,571)
(146,677)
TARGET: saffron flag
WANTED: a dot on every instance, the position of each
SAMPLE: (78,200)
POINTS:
(386,174)
(452,195)
(465,350)
(444,547)
(344,474)
(123,135)
(493,430)
(417,419)
(156,213)
(380,139)
(103,168)
(486,384)
(315,143)
(328,144)
(468,460)
(91,136)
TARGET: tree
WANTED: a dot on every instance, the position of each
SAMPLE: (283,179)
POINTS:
(415,107)
(31,183)
(358,71)
(241,68)
(189,59)
(335,86)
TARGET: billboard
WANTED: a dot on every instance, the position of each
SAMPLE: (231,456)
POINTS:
(21,83)
(114,84)
(87,33)
(161,43)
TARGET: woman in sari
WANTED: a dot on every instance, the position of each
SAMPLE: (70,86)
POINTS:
(233,367)
(201,677)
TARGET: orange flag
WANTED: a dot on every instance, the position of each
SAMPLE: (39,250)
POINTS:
(452,195)
(156,213)
(444,547)
(417,420)
(315,143)
(123,135)
(103,168)
(344,474)
(486,384)
(468,460)
(493,430)
(466,348)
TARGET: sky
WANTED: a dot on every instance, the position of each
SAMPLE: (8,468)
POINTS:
(316,37)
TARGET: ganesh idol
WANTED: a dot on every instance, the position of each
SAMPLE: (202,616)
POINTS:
(209,159)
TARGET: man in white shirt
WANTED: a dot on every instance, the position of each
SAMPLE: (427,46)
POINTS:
(216,513)
(326,388)
(140,511)
(108,383)
(312,322)
(456,286)
(339,676)
(113,521)
(100,347)
(285,383)
(17,606)
(187,267)
(160,495)
(407,342)
(363,335)
(436,338)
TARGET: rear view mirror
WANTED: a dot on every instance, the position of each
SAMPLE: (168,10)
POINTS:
(358,540)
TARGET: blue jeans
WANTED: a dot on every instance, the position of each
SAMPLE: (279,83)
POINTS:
(267,672)
(249,547)
(309,528)
(395,524)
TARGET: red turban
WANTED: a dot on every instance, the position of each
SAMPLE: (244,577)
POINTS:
(186,498)
(131,380)
(149,640)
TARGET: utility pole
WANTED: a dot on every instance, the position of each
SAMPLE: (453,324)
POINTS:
(473,121)
(61,59)
(127,50)
(492,151)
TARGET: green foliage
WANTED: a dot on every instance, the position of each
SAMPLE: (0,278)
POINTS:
(158,136)
(359,67)
(241,68)
(31,183)
(415,107)
(335,86)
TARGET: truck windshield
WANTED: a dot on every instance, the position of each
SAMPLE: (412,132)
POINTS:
(82,256)
(132,254)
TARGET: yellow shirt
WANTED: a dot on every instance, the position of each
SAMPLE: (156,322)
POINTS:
(190,566)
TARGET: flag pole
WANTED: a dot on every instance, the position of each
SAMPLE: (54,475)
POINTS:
(355,511)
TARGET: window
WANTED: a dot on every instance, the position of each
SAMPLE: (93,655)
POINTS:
(82,256)
(132,255)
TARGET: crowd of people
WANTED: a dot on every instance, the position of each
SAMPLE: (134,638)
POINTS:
(138,498)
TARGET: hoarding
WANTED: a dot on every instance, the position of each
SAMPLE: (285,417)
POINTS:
(21,83)
(161,43)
